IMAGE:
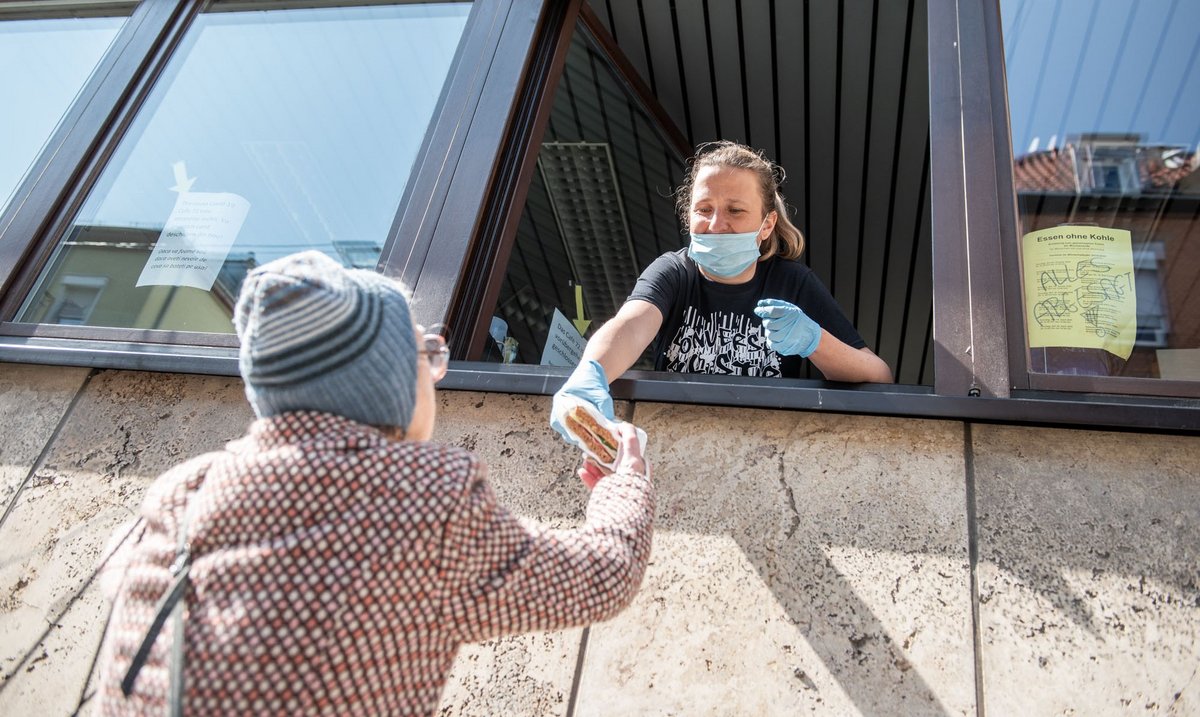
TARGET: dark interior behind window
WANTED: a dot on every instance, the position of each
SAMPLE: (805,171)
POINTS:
(600,207)
(836,93)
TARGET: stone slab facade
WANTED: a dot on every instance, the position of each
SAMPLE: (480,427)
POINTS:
(804,563)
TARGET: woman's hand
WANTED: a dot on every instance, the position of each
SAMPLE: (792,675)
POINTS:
(631,459)
(789,330)
(610,352)
(587,383)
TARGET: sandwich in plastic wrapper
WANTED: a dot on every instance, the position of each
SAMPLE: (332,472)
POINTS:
(592,446)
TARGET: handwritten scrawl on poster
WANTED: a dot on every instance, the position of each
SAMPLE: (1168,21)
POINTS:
(195,240)
(1079,288)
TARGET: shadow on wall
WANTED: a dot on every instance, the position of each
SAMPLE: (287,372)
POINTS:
(856,530)
(1089,570)
(803,561)
(122,430)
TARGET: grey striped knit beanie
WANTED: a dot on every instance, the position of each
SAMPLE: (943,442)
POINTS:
(318,337)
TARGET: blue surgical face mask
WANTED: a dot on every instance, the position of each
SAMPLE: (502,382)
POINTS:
(725,255)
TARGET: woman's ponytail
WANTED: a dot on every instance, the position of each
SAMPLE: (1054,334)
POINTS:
(786,240)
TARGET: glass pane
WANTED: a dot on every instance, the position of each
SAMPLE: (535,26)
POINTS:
(1105,108)
(56,56)
(271,131)
(602,171)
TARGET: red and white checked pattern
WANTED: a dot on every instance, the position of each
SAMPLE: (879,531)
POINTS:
(337,572)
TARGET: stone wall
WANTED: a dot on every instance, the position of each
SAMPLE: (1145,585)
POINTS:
(803,562)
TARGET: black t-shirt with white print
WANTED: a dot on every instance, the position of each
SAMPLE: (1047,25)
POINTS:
(709,327)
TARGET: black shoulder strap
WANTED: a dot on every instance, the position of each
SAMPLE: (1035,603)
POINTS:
(84,695)
(170,605)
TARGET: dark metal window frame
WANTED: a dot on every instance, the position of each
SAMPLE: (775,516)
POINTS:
(477,219)
(483,269)
(51,177)
(468,188)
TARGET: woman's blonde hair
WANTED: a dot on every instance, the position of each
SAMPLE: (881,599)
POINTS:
(786,240)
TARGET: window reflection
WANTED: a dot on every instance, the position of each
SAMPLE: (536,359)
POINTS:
(56,55)
(1104,98)
(272,130)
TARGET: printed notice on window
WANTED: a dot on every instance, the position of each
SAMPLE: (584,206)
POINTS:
(1079,289)
(564,345)
(196,240)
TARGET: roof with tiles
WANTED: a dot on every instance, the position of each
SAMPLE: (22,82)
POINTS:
(1054,170)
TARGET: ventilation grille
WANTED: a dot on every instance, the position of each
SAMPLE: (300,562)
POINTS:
(582,185)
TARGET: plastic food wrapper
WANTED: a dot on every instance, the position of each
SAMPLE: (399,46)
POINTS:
(612,428)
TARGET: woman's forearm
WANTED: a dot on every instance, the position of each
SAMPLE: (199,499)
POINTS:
(614,354)
(619,343)
(838,361)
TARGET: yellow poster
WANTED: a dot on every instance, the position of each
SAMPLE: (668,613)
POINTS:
(1079,288)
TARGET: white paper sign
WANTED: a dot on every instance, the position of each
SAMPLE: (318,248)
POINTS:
(564,345)
(196,240)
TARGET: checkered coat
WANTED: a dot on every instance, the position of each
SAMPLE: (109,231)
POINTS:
(336,571)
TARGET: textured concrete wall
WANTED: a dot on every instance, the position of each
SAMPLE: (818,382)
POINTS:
(1089,571)
(123,430)
(803,562)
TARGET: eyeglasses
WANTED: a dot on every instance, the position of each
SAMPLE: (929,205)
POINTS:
(437,353)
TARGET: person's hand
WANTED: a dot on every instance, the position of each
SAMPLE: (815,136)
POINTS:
(587,383)
(631,460)
(789,330)
(591,473)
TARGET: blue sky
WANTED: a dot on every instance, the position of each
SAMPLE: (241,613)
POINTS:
(1129,66)
(55,57)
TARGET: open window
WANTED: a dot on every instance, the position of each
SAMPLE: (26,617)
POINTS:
(644,84)
(599,209)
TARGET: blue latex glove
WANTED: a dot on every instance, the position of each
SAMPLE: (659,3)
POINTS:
(789,330)
(587,383)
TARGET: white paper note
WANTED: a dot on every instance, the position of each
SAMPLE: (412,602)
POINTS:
(195,240)
(564,345)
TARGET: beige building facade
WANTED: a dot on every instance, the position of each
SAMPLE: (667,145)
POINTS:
(1011,528)
(804,562)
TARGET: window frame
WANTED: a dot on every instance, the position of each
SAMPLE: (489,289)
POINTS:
(51,176)
(496,236)
(63,175)
(463,201)
(971,336)
(1022,377)
(497,159)
(975,223)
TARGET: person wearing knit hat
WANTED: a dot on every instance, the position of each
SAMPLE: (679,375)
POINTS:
(317,337)
(333,560)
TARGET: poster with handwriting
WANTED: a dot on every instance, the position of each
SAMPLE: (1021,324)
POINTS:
(195,240)
(1079,288)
